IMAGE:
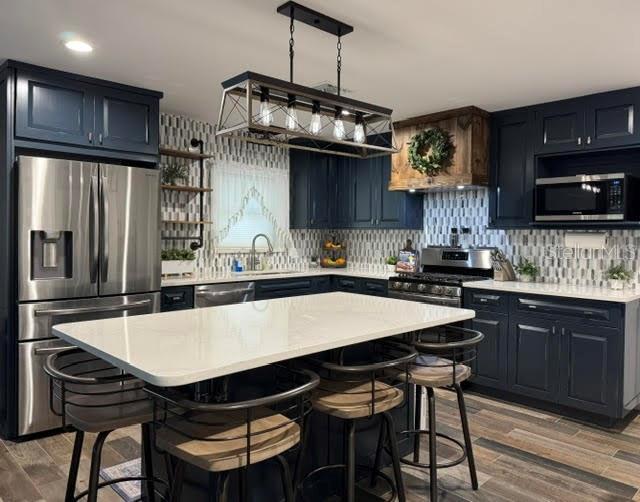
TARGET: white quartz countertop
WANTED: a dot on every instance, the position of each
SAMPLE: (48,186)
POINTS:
(246,277)
(178,348)
(566,290)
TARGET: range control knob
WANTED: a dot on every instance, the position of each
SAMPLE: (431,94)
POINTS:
(438,290)
(422,287)
(450,291)
(396,285)
(406,286)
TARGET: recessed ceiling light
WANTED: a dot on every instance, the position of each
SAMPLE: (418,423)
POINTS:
(78,46)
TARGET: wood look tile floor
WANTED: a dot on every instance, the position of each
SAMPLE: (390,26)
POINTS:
(522,454)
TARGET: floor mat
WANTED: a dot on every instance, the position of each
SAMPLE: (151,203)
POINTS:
(129,491)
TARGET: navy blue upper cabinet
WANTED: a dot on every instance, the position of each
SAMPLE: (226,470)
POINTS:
(512,172)
(127,121)
(611,119)
(56,109)
(311,189)
(605,120)
(64,109)
(560,127)
(344,192)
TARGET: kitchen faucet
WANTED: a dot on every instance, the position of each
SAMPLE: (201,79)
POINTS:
(252,257)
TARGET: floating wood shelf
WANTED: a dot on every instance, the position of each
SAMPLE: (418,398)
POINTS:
(184,222)
(183,154)
(179,188)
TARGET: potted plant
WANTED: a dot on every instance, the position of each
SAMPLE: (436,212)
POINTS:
(178,262)
(391,261)
(171,173)
(527,271)
(618,276)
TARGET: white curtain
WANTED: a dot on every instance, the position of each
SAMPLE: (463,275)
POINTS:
(248,200)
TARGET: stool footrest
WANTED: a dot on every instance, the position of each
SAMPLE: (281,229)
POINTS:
(361,468)
(443,465)
(103,484)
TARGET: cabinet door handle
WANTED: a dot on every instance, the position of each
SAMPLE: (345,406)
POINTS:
(579,140)
(100,138)
(553,330)
(372,221)
(588,140)
(90,136)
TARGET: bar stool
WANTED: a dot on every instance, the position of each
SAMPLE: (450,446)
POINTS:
(223,437)
(360,391)
(95,397)
(446,353)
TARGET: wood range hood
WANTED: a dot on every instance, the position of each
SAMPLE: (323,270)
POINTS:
(469,129)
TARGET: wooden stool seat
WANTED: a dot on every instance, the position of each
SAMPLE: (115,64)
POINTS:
(354,400)
(439,373)
(228,454)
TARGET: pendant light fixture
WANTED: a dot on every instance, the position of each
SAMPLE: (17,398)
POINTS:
(266,110)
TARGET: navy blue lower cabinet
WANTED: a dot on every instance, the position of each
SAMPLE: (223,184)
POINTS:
(348,284)
(490,365)
(374,287)
(534,349)
(590,368)
(176,298)
(281,288)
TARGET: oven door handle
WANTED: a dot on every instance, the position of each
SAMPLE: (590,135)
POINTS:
(453,300)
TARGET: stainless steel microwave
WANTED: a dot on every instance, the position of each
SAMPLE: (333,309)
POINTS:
(596,197)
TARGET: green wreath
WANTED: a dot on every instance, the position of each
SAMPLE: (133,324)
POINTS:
(431,151)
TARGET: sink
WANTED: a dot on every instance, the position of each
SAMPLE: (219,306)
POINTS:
(263,272)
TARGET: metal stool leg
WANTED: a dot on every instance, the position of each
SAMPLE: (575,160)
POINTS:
(73,468)
(176,484)
(379,450)
(351,461)
(148,461)
(395,455)
(287,485)
(94,474)
(467,437)
(297,477)
(222,491)
(243,484)
(433,457)
(416,424)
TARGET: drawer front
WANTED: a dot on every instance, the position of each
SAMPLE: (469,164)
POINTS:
(555,307)
(493,301)
(350,284)
(176,298)
(282,288)
(373,287)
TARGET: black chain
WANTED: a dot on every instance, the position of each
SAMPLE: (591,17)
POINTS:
(291,50)
(339,61)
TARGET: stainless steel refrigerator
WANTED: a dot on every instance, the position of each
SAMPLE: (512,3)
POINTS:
(88,248)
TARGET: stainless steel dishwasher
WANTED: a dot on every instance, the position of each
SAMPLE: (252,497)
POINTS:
(213,295)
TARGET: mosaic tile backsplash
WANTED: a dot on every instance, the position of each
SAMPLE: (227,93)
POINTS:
(367,249)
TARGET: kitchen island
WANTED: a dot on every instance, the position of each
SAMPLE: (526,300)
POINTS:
(190,346)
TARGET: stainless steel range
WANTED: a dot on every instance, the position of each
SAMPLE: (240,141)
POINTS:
(443,270)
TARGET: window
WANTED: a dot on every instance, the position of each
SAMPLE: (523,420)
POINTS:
(250,200)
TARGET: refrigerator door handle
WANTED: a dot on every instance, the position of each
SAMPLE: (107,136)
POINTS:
(91,310)
(105,230)
(94,224)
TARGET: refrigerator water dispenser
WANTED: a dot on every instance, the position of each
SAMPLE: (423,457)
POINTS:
(51,255)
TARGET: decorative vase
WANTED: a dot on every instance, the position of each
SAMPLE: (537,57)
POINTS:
(178,267)
(527,278)
(616,284)
(391,269)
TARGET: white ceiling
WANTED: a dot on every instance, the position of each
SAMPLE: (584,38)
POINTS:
(415,56)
